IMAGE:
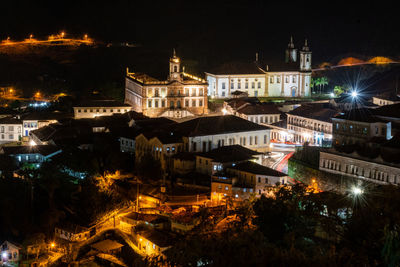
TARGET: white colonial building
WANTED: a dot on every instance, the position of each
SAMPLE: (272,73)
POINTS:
(291,79)
(376,170)
(10,130)
(99,107)
(181,95)
(311,123)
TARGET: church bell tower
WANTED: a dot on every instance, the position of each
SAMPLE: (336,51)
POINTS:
(305,58)
(291,52)
(174,68)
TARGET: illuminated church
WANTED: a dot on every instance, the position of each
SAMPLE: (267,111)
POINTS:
(290,79)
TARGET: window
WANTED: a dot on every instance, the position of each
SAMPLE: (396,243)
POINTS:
(200,91)
(111,110)
(186,91)
(232,85)
(259,85)
(11,136)
(294,79)
(79,111)
(223,85)
(148,104)
(85,110)
(104,110)
(186,103)
(251,140)
(156,103)
(163,103)
(171,104)
(265,139)
(175,68)
(255,140)
(193,103)
(200,103)
(246,85)
(271,79)
(226,188)
(239,85)
(259,179)
(278,79)
(253,85)
(286,79)
(194,91)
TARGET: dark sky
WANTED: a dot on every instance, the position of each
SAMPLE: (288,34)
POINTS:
(222,29)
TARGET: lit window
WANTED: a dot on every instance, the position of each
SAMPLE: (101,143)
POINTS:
(226,188)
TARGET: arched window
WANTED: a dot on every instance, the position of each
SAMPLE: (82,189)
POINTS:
(175,68)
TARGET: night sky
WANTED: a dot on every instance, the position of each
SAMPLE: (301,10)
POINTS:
(223,29)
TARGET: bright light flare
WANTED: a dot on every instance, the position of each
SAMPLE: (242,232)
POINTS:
(357,191)
(32,143)
(224,111)
(52,245)
(4,255)
(354,94)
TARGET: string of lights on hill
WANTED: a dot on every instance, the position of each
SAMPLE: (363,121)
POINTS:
(352,61)
(54,39)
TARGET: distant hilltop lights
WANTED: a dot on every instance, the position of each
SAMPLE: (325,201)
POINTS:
(55,39)
(352,61)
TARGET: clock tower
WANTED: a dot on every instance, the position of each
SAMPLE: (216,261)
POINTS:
(174,68)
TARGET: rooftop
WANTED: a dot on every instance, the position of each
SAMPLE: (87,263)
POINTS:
(216,125)
(101,103)
(361,115)
(157,237)
(10,120)
(107,245)
(234,153)
(143,217)
(318,111)
(391,111)
(255,168)
(46,116)
(238,68)
(259,109)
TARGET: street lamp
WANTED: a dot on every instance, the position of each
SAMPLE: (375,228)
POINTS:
(357,191)
(224,111)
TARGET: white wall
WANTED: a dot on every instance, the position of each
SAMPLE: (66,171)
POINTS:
(10,132)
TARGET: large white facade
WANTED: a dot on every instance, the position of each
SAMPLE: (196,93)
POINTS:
(289,82)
